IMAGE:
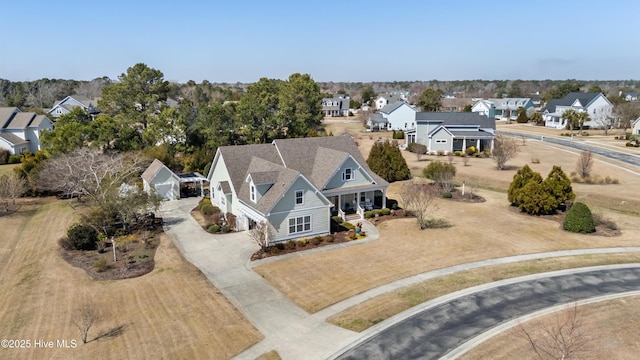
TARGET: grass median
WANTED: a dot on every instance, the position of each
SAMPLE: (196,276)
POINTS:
(369,313)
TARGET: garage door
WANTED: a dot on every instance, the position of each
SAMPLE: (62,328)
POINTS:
(165,191)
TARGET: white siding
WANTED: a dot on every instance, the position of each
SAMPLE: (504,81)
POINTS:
(401,116)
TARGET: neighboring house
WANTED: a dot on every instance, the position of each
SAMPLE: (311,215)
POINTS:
(592,103)
(453,131)
(635,127)
(338,105)
(386,99)
(21,131)
(629,96)
(159,178)
(295,185)
(377,122)
(502,109)
(70,102)
(399,115)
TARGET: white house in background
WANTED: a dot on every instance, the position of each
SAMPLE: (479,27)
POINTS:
(453,131)
(591,103)
(635,127)
(399,115)
(338,105)
(386,99)
(21,131)
(503,109)
(67,104)
(159,178)
(295,185)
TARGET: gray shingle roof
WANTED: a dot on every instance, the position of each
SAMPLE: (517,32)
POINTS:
(226,188)
(13,139)
(391,107)
(457,118)
(283,161)
(6,114)
(377,118)
(20,121)
(152,170)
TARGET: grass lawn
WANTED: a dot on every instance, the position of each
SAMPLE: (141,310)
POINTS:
(7,169)
(369,313)
(172,312)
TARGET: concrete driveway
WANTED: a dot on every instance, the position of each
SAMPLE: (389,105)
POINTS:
(224,260)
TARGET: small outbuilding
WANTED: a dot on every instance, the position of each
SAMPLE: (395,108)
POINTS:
(161,179)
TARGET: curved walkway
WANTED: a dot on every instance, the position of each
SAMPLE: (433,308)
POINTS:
(291,331)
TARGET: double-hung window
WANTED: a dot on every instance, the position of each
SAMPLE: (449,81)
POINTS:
(299,197)
(347,174)
(300,224)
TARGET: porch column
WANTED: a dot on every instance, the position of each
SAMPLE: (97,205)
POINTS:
(464,144)
(478,145)
(384,198)
(201,188)
(340,202)
(493,138)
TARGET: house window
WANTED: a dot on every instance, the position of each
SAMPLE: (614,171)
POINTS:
(299,197)
(222,200)
(441,141)
(348,174)
(300,224)
(253,193)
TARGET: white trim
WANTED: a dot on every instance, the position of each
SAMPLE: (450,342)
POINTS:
(303,209)
(252,192)
(296,224)
(352,175)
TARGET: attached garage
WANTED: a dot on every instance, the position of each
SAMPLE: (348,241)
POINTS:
(160,178)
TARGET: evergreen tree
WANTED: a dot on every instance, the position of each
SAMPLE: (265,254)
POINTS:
(386,160)
(579,219)
(520,179)
(559,186)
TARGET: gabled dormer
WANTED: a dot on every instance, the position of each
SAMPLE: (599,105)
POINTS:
(349,173)
(259,183)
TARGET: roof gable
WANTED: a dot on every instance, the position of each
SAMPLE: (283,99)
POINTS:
(6,115)
(154,169)
(389,108)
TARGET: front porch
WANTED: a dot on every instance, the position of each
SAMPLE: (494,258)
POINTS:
(356,202)
(464,140)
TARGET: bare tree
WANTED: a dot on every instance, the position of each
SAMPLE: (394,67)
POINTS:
(418,197)
(11,188)
(585,164)
(450,157)
(84,316)
(504,149)
(627,112)
(261,234)
(465,159)
(603,119)
(419,149)
(88,172)
(566,335)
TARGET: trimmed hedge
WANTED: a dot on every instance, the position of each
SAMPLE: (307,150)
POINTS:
(337,219)
(213,228)
(579,219)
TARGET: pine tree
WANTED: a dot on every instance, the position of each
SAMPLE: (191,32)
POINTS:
(386,160)
(520,179)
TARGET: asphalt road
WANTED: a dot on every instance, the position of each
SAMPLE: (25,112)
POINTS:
(581,145)
(436,331)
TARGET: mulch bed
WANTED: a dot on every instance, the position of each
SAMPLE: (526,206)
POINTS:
(138,260)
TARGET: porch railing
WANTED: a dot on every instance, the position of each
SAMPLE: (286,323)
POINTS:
(361,211)
(342,215)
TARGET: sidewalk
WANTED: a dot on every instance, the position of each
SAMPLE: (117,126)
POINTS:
(288,329)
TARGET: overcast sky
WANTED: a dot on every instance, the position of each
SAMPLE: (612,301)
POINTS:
(242,41)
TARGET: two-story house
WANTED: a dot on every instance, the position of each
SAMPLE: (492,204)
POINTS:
(591,103)
(295,185)
(21,131)
(386,99)
(502,109)
(338,105)
(67,104)
(399,116)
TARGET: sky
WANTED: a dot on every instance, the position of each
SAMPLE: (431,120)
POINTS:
(350,41)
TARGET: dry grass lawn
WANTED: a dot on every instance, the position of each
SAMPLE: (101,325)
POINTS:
(7,169)
(369,313)
(480,231)
(172,312)
(618,319)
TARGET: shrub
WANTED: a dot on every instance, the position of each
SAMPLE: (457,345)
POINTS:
(100,265)
(82,237)
(471,150)
(213,228)
(441,173)
(337,219)
(349,226)
(385,211)
(4,156)
(440,152)
(457,153)
(205,200)
(398,135)
(303,242)
(15,159)
(206,209)
(225,229)
(317,240)
(447,195)
(291,244)
(579,219)
(367,215)
(231,221)
(599,219)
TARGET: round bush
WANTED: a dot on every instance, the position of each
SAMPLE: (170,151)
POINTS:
(447,195)
(208,209)
(213,228)
(225,229)
(579,219)
(205,201)
(82,237)
(337,219)
(385,211)
(368,214)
